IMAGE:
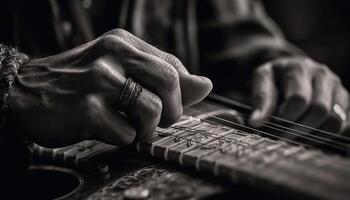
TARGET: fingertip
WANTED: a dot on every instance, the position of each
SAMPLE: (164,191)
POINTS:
(205,84)
(195,88)
(256,118)
(201,81)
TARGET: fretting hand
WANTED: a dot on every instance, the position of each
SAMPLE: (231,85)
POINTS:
(75,95)
(311,94)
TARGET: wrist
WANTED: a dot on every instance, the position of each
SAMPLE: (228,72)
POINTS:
(10,62)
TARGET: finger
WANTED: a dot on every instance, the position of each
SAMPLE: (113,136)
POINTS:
(108,126)
(264,95)
(341,99)
(150,71)
(145,114)
(320,105)
(194,88)
(163,80)
(297,91)
(338,117)
(345,131)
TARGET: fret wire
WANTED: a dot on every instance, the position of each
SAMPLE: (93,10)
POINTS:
(219,137)
(238,142)
(238,153)
(200,144)
(194,131)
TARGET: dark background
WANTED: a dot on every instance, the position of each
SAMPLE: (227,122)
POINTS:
(320,27)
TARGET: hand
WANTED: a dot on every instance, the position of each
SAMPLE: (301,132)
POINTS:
(309,92)
(73,96)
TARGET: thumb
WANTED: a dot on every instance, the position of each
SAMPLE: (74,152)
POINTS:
(194,88)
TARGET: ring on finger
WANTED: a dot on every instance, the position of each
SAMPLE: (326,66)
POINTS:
(131,91)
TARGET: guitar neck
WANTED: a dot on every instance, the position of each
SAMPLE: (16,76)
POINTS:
(251,159)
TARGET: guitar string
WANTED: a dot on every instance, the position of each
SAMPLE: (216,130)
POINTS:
(334,136)
(246,107)
(331,135)
(230,141)
(193,130)
(233,141)
(265,133)
(299,133)
(238,142)
(337,146)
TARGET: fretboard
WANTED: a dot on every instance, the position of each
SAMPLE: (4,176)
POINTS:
(248,158)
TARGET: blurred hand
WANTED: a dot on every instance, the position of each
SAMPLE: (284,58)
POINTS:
(311,94)
(72,96)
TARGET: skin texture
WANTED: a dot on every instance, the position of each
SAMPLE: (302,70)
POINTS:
(73,96)
(308,91)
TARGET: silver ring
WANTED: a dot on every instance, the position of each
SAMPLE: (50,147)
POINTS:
(131,91)
(340,112)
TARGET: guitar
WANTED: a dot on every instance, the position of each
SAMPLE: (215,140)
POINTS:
(282,157)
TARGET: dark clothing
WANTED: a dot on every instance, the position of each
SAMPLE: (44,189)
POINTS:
(221,39)
(320,27)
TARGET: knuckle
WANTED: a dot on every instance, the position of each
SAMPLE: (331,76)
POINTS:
(173,60)
(171,78)
(126,36)
(297,68)
(108,42)
(322,70)
(119,32)
(262,71)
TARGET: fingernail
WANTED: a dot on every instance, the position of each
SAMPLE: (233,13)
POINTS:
(256,114)
(255,118)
